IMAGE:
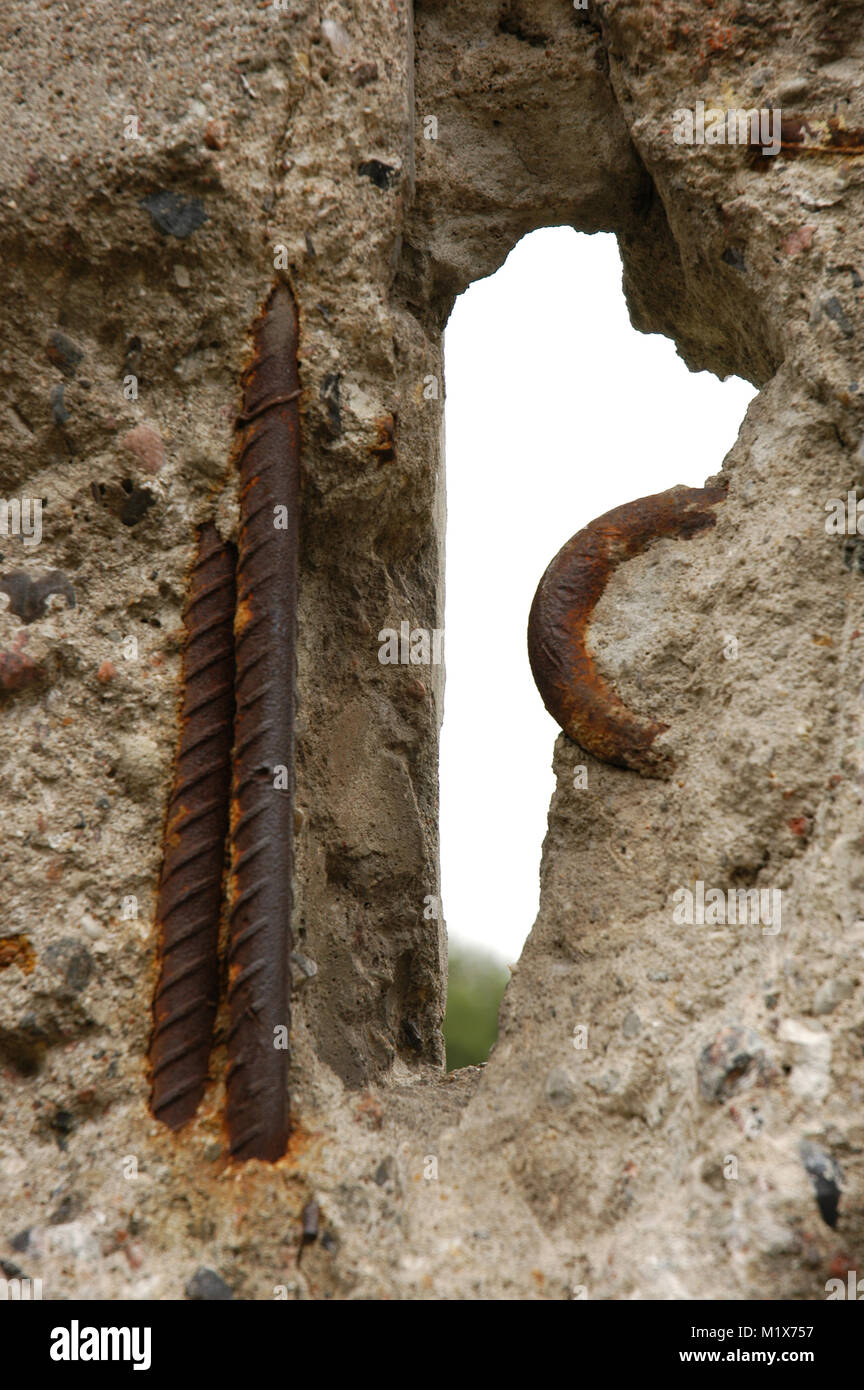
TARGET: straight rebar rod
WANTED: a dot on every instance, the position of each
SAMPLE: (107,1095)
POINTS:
(190,887)
(262,812)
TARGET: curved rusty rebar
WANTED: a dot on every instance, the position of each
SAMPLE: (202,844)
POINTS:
(575,694)
(262,815)
(190,887)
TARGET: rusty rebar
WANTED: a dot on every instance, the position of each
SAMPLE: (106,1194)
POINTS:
(808,135)
(262,814)
(190,887)
(573,691)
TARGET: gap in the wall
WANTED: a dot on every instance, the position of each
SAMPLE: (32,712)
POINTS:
(557,410)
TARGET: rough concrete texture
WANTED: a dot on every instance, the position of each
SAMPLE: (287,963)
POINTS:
(663,1158)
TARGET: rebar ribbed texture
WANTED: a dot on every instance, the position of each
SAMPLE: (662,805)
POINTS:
(262,814)
(190,887)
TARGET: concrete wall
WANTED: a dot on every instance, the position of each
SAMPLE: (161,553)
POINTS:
(602,1168)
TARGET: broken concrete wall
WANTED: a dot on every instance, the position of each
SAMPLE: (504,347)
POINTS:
(380,160)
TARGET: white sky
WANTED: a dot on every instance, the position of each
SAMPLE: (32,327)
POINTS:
(557,410)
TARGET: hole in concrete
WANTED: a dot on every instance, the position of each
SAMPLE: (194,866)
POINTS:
(557,410)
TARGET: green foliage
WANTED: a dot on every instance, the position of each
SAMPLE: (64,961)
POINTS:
(475,985)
